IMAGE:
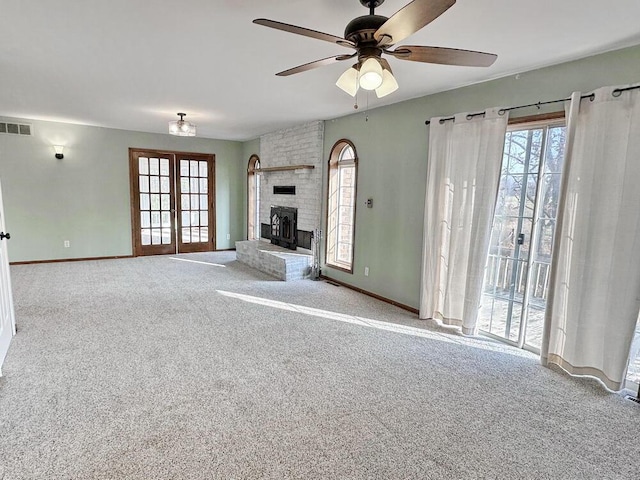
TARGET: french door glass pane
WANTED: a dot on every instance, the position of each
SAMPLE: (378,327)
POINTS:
(143,165)
(146,236)
(154,166)
(145,202)
(145,219)
(165,202)
(164,184)
(154,184)
(144,184)
(164,167)
(155,219)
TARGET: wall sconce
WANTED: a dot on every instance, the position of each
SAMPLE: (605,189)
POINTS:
(58,149)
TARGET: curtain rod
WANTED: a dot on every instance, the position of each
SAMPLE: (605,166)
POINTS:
(616,93)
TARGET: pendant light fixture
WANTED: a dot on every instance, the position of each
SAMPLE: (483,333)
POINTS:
(372,74)
(182,127)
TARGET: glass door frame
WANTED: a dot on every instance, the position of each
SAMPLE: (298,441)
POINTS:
(546,122)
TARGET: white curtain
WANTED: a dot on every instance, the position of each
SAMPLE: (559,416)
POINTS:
(594,293)
(465,157)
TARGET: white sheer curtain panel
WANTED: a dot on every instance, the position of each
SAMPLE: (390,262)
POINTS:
(594,292)
(463,173)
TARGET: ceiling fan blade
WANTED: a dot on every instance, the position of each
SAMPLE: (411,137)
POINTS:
(409,19)
(443,56)
(316,64)
(285,27)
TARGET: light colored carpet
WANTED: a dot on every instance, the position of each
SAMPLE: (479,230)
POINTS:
(154,368)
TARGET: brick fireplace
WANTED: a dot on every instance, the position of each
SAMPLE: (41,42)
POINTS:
(290,202)
(299,189)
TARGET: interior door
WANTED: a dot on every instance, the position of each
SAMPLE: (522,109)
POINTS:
(7,315)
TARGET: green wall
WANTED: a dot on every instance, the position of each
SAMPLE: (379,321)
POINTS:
(392,150)
(84,198)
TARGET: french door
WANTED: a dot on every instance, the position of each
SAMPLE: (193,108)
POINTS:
(519,260)
(172,202)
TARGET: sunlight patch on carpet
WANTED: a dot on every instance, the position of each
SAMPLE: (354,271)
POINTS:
(196,261)
(474,342)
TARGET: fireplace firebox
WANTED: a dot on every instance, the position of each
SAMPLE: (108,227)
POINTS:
(284,227)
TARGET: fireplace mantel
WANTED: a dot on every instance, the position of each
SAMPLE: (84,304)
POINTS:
(284,168)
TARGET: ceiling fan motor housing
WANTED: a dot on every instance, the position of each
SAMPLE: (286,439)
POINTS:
(360,30)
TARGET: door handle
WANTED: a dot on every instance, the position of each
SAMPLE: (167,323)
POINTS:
(520,238)
(5,235)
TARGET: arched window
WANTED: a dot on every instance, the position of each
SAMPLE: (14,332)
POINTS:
(253,198)
(341,205)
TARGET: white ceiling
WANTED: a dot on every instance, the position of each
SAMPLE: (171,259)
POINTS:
(132,64)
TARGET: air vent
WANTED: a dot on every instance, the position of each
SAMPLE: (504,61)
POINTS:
(15,128)
(632,398)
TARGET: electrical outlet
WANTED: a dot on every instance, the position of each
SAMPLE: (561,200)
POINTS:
(67,244)
(366,271)
(228,236)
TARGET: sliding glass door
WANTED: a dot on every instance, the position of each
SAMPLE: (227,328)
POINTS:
(519,259)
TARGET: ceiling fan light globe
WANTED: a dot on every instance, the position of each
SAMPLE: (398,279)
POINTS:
(389,84)
(370,74)
(348,81)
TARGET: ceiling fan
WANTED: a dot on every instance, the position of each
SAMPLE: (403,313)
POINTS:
(372,35)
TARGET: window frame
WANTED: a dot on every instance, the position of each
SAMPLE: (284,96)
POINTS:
(253,201)
(334,164)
